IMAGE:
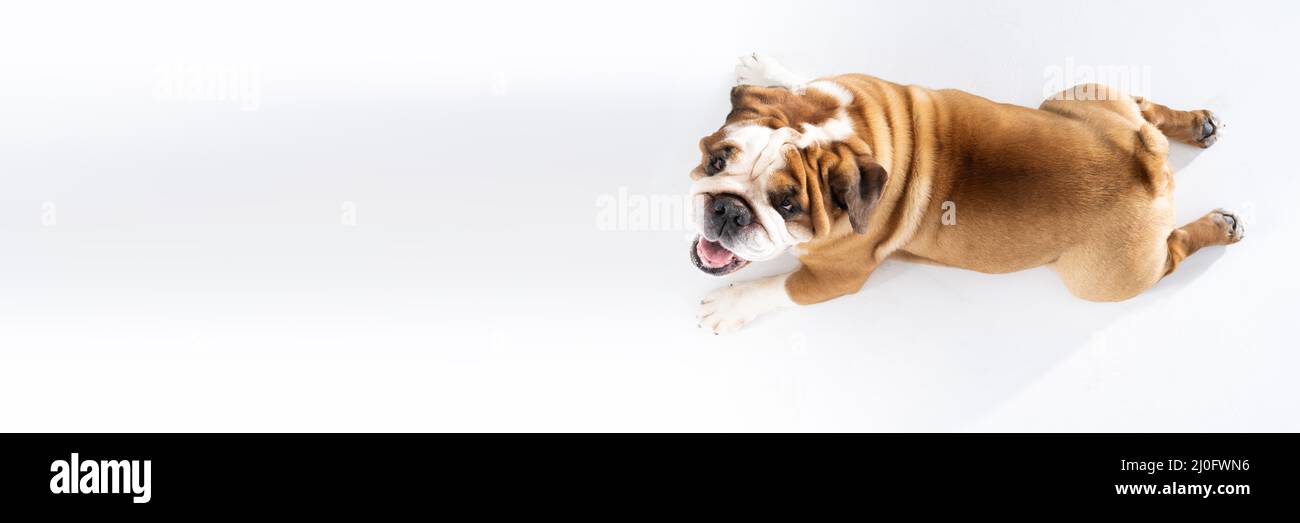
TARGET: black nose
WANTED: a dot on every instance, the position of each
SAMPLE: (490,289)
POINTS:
(729,214)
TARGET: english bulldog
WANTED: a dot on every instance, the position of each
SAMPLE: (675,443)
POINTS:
(849,170)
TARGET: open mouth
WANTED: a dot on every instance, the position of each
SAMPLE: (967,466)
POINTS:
(713,258)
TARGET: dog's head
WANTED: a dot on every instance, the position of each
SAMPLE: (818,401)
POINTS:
(782,170)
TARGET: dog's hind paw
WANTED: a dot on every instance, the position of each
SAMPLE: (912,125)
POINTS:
(1232,224)
(1211,129)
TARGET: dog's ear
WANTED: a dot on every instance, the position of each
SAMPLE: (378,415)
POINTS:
(856,183)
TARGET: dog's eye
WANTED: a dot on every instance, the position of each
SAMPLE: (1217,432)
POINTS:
(718,161)
(788,207)
(717,164)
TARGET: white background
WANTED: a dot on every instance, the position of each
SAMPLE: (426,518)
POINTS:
(198,275)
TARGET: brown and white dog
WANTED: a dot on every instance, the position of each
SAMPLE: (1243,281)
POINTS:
(850,170)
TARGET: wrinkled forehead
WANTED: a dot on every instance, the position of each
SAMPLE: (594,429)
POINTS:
(758,149)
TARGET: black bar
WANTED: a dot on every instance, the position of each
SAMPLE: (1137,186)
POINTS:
(744,472)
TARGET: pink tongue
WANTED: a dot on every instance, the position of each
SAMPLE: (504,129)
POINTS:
(712,254)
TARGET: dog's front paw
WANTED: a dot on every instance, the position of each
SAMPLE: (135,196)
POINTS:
(763,71)
(728,309)
(750,71)
(725,310)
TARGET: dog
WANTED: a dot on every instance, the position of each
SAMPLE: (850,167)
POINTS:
(849,170)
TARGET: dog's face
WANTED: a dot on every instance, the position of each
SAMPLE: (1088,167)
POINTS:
(745,199)
(762,188)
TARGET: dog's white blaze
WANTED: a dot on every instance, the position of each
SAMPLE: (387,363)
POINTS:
(760,149)
(838,91)
(833,130)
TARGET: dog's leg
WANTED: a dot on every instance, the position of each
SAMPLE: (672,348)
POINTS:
(727,309)
(1200,128)
(1219,227)
(761,70)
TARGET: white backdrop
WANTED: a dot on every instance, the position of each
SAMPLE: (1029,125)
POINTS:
(248,216)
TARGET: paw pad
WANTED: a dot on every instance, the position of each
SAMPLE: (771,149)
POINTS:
(1233,224)
(1211,129)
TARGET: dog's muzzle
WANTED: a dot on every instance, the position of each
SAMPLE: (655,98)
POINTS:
(728,215)
(725,217)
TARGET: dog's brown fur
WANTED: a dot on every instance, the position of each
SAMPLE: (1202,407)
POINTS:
(1081,184)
